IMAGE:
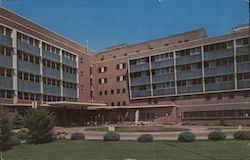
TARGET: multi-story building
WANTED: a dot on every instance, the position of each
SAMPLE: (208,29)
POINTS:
(188,78)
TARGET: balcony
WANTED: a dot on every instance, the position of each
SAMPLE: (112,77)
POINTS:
(140,81)
(6,83)
(5,40)
(220,70)
(243,67)
(139,67)
(69,92)
(162,64)
(189,89)
(51,72)
(69,77)
(69,62)
(163,78)
(51,90)
(28,48)
(143,93)
(244,50)
(28,67)
(163,91)
(26,86)
(5,61)
(188,59)
(243,84)
(191,74)
(218,54)
(220,86)
(51,56)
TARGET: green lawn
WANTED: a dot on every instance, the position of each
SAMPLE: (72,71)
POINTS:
(167,129)
(158,150)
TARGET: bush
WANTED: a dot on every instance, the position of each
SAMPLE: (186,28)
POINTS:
(111,136)
(217,136)
(186,137)
(242,135)
(77,136)
(18,121)
(22,134)
(14,141)
(5,130)
(40,123)
(145,138)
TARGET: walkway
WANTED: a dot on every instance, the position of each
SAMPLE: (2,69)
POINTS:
(201,132)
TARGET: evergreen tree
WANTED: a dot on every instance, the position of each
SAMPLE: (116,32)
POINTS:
(18,121)
(5,130)
(40,123)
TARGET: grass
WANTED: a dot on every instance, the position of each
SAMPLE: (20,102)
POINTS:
(157,150)
(167,129)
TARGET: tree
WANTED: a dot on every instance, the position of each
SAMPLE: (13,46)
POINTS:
(5,130)
(18,121)
(40,123)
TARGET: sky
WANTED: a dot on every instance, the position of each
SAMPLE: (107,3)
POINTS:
(104,23)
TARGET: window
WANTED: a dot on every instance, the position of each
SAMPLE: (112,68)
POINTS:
(25,75)
(102,69)
(123,90)
(118,91)
(112,91)
(124,103)
(8,73)
(121,66)
(118,103)
(105,92)
(103,81)
(121,78)
(100,93)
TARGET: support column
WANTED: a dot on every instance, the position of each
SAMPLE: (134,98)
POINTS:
(235,66)
(202,69)
(14,65)
(175,75)
(150,76)
(61,73)
(137,117)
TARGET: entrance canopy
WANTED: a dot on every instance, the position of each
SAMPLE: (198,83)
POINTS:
(76,105)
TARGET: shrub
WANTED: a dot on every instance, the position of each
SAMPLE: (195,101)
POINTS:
(5,130)
(22,134)
(40,123)
(77,136)
(14,141)
(145,138)
(111,136)
(18,121)
(186,137)
(217,136)
(242,135)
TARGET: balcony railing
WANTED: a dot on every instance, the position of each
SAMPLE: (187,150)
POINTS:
(220,70)
(69,77)
(191,74)
(28,67)
(51,90)
(5,61)
(69,92)
(140,81)
(219,86)
(188,59)
(6,83)
(5,40)
(139,67)
(218,54)
(243,67)
(163,78)
(244,50)
(28,48)
(143,93)
(27,86)
(162,64)
(69,62)
(243,84)
(163,91)
(51,56)
(189,89)
(51,72)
